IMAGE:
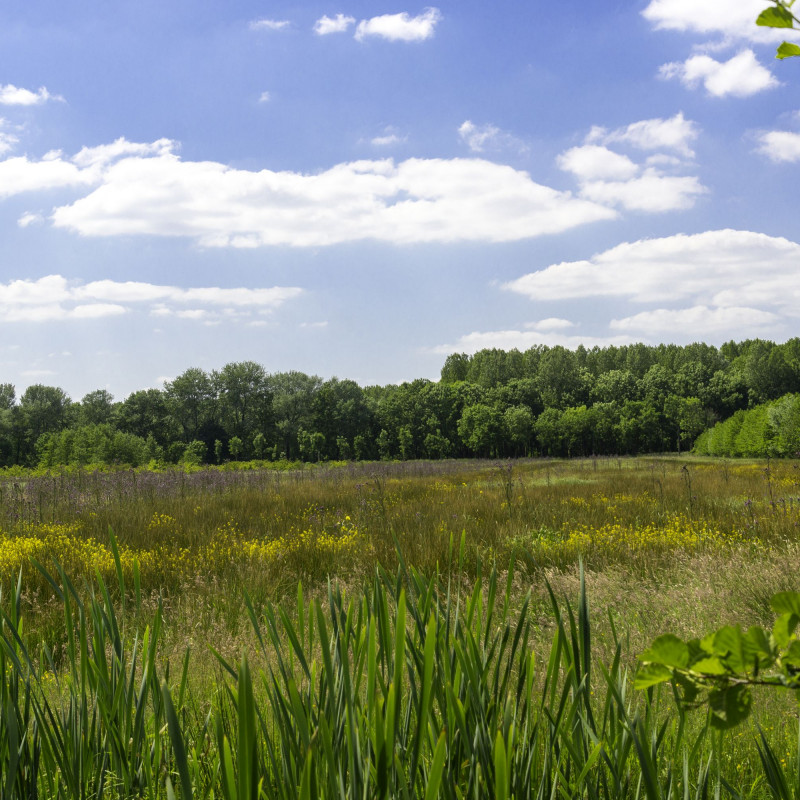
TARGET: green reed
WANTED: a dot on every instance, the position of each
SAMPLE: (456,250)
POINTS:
(416,686)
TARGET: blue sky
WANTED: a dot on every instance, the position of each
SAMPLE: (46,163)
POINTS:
(358,189)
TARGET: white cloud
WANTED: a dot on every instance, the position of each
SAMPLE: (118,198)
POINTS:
(476,138)
(388,138)
(652,192)
(400,27)
(417,200)
(732,20)
(702,321)
(120,148)
(614,179)
(29,218)
(488,137)
(677,268)
(780,146)
(675,133)
(54,298)
(264,97)
(523,340)
(549,324)
(679,279)
(19,175)
(269,24)
(7,140)
(593,162)
(740,76)
(11,95)
(338,24)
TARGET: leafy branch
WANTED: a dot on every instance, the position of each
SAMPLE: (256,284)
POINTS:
(780,16)
(719,670)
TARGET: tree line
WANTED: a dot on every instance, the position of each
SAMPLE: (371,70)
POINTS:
(768,429)
(546,400)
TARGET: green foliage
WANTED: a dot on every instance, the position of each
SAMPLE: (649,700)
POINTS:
(415,687)
(194,453)
(719,670)
(780,16)
(769,429)
(615,400)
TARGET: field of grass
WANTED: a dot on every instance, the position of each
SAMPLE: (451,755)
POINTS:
(240,634)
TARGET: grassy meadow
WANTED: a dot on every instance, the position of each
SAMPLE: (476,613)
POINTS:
(415,629)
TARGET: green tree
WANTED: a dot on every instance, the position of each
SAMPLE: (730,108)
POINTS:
(96,407)
(235,447)
(518,422)
(455,369)
(43,410)
(194,453)
(146,412)
(245,399)
(190,399)
(482,429)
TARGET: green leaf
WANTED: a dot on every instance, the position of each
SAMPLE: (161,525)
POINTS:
(435,775)
(791,657)
(178,747)
(500,769)
(729,647)
(729,706)
(650,674)
(709,666)
(787,50)
(777,17)
(786,602)
(783,628)
(668,650)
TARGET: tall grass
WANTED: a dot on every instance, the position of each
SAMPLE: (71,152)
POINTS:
(414,686)
(264,530)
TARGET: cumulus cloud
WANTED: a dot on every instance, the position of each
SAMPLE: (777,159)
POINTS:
(611,178)
(676,268)
(11,95)
(476,137)
(549,324)
(651,192)
(400,27)
(711,286)
(54,298)
(696,282)
(674,133)
(480,138)
(269,24)
(523,340)
(417,200)
(702,321)
(106,153)
(29,218)
(388,138)
(338,24)
(780,146)
(593,162)
(20,174)
(740,76)
(733,21)
(264,97)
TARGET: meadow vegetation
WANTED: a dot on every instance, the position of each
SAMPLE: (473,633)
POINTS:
(384,629)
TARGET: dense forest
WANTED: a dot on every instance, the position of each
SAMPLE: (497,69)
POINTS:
(547,400)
